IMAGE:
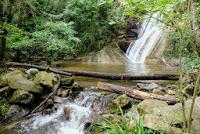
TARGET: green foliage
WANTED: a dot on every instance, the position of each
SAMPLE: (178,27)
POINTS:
(192,61)
(121,125)
(55,28)
(51,39)
(3,107)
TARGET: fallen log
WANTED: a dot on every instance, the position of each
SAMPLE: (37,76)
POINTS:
(124,76)
(130,76)
(24,65)
(134,93)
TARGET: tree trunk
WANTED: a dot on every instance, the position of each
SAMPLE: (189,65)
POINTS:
(134,93)
(195,26)
(2,45)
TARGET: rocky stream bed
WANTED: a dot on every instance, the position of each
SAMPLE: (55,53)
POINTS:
(73,108)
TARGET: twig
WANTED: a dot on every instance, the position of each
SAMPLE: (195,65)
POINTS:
(55,88)
(193,102)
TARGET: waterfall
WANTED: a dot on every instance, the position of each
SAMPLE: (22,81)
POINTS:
(150,41)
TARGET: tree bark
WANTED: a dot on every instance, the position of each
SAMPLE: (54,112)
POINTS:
(2,45)
(101,75)
(134,93)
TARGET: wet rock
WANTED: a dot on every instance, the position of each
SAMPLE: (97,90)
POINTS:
(49,105)
(45,79)
(32,72)
(147,86)
(22,97)
(158,91)
(154,61)
(67,112)
(65,93)
(76,87)
(18,80)
(57,99)
(122,100)
(47,111)
(170,117)
(133,114)
(66,81)
(104,104)
(15,112)
(124,44)
(148,105)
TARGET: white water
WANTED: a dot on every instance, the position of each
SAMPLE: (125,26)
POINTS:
(55,123)
(149,40)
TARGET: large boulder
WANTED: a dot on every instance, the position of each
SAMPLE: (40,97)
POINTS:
(45,79)
(22,97)
(148,105)
(18,80)
(170,117)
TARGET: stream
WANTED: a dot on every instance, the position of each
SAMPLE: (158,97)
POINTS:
(81,111)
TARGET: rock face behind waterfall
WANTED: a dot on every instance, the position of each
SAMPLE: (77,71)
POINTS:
(108,55)
(151,42)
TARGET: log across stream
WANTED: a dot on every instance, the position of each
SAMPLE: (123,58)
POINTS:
(111,76)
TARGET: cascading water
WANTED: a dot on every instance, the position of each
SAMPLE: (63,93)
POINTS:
(150,40)
(55,123)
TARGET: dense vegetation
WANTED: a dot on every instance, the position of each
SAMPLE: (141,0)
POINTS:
(40,28)
(57,29)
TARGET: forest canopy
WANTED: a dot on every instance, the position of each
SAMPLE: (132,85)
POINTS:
(61,28)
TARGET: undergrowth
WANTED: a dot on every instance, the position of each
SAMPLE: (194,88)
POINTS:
(121,126)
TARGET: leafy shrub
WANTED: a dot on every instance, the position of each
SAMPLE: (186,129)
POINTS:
(51,39)
(122,126)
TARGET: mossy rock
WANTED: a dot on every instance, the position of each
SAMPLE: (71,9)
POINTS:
(22,97)
(18,80)
(148,105)
(170,117)
(45,79)
(15,112)
(122,101)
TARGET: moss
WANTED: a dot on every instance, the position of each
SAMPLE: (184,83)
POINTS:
(4,106)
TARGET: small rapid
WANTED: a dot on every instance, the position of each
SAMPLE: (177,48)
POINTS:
(55,123)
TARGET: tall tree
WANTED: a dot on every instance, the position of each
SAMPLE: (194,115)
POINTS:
(6,13)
